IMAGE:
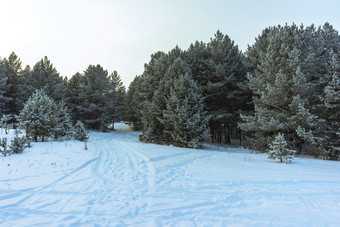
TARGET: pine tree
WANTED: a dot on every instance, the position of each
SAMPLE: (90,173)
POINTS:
(115,100)
(63,124)
(11,69)
(38,116)
(96,98)
(73,95)
(3,98)
(45,76)
(152,126)
(198,57)
(185,119)
(330,129)
(18,144)
(154,90)
(80,132)
(3,143)
(281,90)
(162,95)
(93,104)
(223,92)
(133,104)
(5,122)
(278,150)
(24,90)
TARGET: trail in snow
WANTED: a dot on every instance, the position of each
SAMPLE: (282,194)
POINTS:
(120,181)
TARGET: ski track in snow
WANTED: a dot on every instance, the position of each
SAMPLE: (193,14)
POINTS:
(122,182)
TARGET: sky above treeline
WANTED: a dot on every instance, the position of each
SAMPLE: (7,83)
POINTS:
(121,35)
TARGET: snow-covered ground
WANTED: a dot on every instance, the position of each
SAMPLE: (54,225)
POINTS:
(120,181)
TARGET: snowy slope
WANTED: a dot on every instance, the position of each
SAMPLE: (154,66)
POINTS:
(122,182)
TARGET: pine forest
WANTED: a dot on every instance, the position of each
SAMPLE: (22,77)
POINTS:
(282,95)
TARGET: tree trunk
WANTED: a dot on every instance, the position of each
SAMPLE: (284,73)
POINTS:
(212,135)
(240,135)
(227,136)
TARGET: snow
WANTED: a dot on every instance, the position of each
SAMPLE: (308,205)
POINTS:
(120,181)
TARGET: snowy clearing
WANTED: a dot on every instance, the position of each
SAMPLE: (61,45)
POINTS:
(120,181)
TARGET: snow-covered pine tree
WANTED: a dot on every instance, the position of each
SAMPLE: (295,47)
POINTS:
(153,90)
(5,122)
(4,150)
(38,117)
(18,144)
(278,150)
(281,91)
(80,132)
(184,116)
(152,126)
(155,87)
(162,95)
(63,126)
(330,130)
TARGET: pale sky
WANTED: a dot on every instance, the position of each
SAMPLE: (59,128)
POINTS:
(121,35)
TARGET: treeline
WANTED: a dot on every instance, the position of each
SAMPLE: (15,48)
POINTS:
(94,97)
(287,83)
(181,92)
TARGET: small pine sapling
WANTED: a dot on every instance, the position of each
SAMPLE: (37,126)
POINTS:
(278,150)
(3,144)
(5,122)
(29,142)
(80,133)
(18,144)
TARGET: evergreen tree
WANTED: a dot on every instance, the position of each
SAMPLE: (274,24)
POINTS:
(96,98)
(11,69)
(184,116)
(115,100)
(3,98)
(18,144)
(38,116)
(152,126)
(223,92)
(80,132)
(278,150)
(133,104)
(93,89)
(63,124)
(281,90)
(73,95)
(198,57)
(330,129)
(3,143)
(153,89)
(24,90)
(5,122)
(45,76)
(42,117)
(177,69)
